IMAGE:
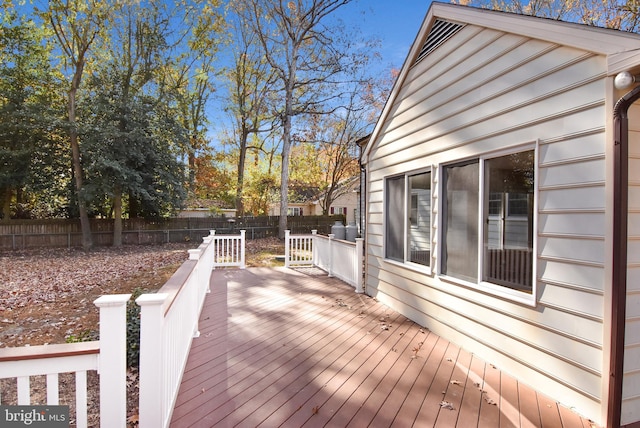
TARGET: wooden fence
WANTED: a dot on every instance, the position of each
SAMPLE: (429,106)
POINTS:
(22,234)
(168,323)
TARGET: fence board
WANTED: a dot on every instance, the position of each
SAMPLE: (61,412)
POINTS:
(22,234)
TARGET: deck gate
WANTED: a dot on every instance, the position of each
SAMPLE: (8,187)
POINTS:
(229,250)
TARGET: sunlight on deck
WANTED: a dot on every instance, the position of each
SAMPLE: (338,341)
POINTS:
(292,348)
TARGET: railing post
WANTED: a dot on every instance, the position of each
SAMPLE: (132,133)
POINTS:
(242,249)
(151,403)
(359,264)
(207,241)
(194,254)
(113,359)
(214,255)
(287,251)
(331,236)
(314,247)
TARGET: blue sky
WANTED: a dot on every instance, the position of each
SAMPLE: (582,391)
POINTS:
(394,22)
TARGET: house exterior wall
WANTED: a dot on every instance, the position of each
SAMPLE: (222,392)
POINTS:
(350,202)
(481,92)
(631,384)
(308,208)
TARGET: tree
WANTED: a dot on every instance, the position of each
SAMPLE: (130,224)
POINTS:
(77,24)
(250,102)
(213,180)
(602,13)
(191,74)
(304,53)
(27,91)
(327,152)
(124,107)
(129,147)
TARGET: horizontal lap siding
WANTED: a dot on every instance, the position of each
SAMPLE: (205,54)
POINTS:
(479,92)
(631,384)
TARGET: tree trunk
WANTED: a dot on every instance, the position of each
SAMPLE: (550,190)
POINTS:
(192,168)
(117,216)
(134,206)
(240,183)
(6,204)
(87,241)
(284,177)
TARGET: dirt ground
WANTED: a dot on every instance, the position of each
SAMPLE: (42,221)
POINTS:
(46,295)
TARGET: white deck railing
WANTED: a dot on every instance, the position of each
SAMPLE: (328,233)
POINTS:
(229,250)
(169,322)
(107,356)
(339,258)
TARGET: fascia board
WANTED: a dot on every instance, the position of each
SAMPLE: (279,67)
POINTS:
(621,48)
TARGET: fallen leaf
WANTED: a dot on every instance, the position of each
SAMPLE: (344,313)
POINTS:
(455,382)
(446,405)
(490,400)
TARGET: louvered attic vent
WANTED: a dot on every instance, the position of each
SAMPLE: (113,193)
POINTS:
(440,33)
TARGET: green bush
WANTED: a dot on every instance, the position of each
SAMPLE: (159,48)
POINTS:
(83,336)
(133,329)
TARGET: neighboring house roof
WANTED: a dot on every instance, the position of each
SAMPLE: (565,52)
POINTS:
(300,193)
(346,186)
(621,48)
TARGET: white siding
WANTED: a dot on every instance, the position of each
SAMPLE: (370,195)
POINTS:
(631,384)
(480,92)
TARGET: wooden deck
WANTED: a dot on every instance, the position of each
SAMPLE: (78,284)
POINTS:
(279,347)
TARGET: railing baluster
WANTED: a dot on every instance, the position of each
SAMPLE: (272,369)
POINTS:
(81,399)
(24,391)
(53,390)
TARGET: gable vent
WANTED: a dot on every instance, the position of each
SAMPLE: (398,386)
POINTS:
(440,33)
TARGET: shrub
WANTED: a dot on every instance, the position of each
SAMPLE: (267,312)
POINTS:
(133,329)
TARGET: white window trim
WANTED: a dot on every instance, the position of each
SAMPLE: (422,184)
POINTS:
(483,286)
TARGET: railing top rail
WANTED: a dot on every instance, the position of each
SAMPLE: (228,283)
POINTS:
(49,351)
(175,283)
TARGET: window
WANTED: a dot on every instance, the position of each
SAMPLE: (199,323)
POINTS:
(395,219)
(294,211)
(408,218)
(460,246)
(338,210)
(499,215)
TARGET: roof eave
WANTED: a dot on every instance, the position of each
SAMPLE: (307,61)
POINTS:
(621,48)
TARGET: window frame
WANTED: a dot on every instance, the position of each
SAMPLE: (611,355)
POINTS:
(406,226)
(338,210)
(502,291)
(295,212)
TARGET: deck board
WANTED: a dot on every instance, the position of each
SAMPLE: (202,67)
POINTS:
(292,348)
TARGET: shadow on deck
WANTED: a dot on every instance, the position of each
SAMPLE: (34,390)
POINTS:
(282,347)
